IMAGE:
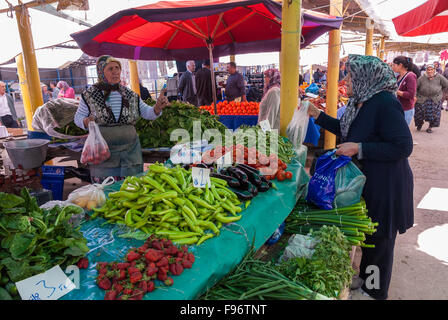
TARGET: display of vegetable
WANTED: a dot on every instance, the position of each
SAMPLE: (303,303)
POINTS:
(352,221)
(261,140)
(34,240)
(329,270)
(156,259)
(165,202)
(255,279)
(234,108)
(178,115)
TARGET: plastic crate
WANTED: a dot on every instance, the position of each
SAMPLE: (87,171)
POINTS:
(42,196)
(53,179)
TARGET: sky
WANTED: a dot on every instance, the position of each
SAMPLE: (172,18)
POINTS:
(49,30)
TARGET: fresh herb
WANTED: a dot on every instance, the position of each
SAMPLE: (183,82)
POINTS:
(329,270)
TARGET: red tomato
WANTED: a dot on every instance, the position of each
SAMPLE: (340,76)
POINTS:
(288,175)
(281,175)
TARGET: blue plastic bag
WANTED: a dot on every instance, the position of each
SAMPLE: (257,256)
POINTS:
(322,187)
(313,88)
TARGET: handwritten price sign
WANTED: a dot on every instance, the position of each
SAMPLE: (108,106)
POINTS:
(201,177)
(50,285)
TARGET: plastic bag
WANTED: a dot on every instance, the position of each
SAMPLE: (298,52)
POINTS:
(75,219)
(55,114)
(95,149)
(90,196)
(322,187)
(349,185)
(299,246)
(297,128)
(313,88)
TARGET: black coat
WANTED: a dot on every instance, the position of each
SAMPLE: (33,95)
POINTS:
(186,86)
(386,145)
(204,86)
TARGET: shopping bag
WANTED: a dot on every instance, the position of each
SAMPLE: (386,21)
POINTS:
(95,149)
(349,183)
(297,129)
(90,196)
(322,185)
(313,88)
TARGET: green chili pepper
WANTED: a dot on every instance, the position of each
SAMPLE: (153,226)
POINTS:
(218,181)
(223,219)
(176,234)
(124,194)
(186,240)
(180,177)
(114,213)
(171,181)
(180,202)
(204,237)
(215,194)
(169,204)
(153,183)
(200,202)
(165,195)
(157,168)
(128,218)
(191,206)
(190,214)
(210,225)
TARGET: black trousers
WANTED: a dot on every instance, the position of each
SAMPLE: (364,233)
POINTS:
(9,122)
(382,257)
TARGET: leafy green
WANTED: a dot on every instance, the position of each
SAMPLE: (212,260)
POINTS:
(329,270)
(34,240)
(8,201)
(178,115)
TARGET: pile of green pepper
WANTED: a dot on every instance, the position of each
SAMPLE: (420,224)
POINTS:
(165,202)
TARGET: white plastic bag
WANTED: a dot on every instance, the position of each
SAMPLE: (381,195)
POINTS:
(90,196)
(95,149)
(299,246)
(298,126)
(75,220)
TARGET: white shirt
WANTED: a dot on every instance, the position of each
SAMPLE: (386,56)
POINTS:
(4,108)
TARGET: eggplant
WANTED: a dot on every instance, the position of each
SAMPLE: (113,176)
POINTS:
(263,187)
(231,181)
(238,173)
(252,189)
(243,195)
(248,168)
(264,180)
(186,166)
(253,177)
(202,165)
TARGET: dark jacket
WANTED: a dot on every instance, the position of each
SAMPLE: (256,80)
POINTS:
(386,145)
(144,93)
(186,86)
(204,86)
(409,87)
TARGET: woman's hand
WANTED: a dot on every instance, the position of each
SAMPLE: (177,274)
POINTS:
(399,93)
(348,149)
(161,102)
(87,120)
(313,111)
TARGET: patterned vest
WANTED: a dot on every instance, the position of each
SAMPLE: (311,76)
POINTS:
(96,103)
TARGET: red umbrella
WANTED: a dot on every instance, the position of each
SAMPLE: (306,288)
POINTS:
(429,18)
(181,30)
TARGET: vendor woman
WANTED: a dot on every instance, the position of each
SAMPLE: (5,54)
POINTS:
(116,109)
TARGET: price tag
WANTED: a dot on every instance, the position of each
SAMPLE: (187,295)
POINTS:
(265,125)
(201,177)
(225,161)
(50,285)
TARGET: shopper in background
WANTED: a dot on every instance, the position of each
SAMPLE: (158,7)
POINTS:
(445,91)
(187,84)
(428,108)
(373,130)
(317,76)
(8,115)
(144,92)
(270,103)
(65,90)
(46,95)
(55,90)
(235,86)
(204,84)
(407,85)
(438,67)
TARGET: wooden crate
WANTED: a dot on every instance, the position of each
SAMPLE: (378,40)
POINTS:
(16,132)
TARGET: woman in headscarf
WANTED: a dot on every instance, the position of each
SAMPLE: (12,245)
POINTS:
(428,108)
(65,91)
(373,129)
(116,109)
(270,102)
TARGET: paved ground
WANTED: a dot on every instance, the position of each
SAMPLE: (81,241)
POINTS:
(421,254)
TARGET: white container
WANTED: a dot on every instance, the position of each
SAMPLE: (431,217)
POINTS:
(3,132)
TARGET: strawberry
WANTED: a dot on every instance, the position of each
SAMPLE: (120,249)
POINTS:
(127,292)
(151,271)
(104,283)
(118,288)
(190,257)
(157,245)
(142,249)
(102,271)
(166,243)
(151,286)
(101,265)
(163,262)
(123,265)
(169,281)
(133,269)
(184,248)
(164,269)
(110,295)
(137,294)
(83,263)
(131,256)
(140,266)
(135,277)
(180,254)
(143,285)
(172,250)
(121,275)
(187,264)
(162,276)
(124,297)
(153,255)
(176,269)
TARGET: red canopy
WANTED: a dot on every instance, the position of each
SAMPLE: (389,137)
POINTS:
(182,30)
(429,18)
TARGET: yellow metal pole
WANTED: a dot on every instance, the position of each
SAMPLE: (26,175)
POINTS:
(133,70)
(32,71)
(24,91)
(290,50)
(382,48)
(232,58)
(369,37)
(311,74)
(334,49)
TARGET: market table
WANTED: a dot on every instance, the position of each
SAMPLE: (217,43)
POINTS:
(234,122)
(215,258)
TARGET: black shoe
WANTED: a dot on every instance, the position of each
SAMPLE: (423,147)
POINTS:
(419,128)
(429,130)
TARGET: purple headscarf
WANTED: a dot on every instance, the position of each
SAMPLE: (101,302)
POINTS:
(274,79)
(63,85)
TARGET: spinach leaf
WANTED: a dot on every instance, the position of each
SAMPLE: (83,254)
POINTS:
(20,244)
(8,200)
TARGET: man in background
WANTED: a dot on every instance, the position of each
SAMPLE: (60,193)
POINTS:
(204,84)
(235,87)
(187,84)
(8,115)
(54,89)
